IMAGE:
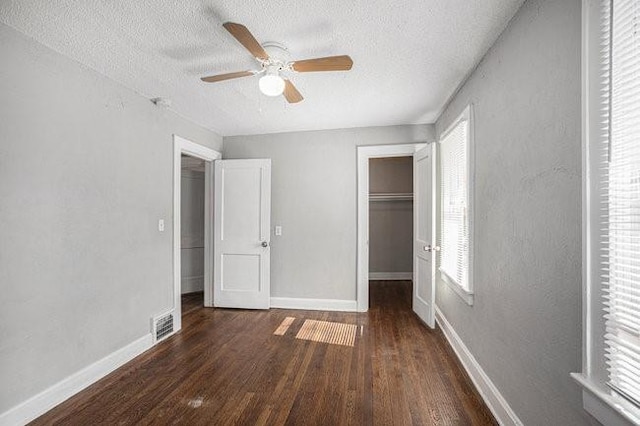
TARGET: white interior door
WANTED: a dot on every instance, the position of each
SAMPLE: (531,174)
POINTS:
(424,245)
(241,234)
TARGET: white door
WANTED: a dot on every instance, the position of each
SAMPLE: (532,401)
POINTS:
(241,234)
(424,245)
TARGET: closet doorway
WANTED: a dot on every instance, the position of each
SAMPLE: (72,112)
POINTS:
(390,232)
(192,223)
(391,218)
(396,238)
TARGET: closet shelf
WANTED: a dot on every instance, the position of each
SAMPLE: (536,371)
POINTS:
(391,196)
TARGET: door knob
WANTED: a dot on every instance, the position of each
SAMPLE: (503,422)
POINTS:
(265,244)
(429,248)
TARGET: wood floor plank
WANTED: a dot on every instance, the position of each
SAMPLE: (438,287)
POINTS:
(228,367)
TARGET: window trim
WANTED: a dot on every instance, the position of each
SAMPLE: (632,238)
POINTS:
(465,115)
(598,399)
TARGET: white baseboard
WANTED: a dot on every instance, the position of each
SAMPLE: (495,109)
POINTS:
(314,304)
(44,401)
(391,276)
(490,394)
(191,284)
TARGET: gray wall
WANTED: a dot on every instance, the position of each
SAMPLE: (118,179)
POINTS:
(314,200)
(85,174)
(391,221)
(191,230)
(525,326)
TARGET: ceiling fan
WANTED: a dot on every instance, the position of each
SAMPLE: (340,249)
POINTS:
(273,59)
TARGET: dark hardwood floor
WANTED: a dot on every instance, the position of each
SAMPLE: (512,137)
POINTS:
(227,367)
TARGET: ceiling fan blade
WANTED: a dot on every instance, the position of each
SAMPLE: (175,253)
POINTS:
(242,34)
(330,63)
(229,76)
(291,94)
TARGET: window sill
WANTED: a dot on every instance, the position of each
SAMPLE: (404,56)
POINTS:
(465,295)
(608,408)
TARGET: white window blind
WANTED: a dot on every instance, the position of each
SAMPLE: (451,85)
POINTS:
(454,226)
(619,156)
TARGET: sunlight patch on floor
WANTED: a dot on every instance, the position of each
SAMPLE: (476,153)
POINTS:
(334,333)
(284,326)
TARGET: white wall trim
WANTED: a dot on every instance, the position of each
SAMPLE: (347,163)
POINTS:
(184,146)
(391,276)
(587,347)
(489,392)
(314,304)
(44,401)
(467,296)
(365,153)
(605,405)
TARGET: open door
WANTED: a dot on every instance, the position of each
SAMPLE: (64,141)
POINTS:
(424,247)
(242,229)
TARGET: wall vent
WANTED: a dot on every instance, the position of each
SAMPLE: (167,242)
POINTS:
(162,326)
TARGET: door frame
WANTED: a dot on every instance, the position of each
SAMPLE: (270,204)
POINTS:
(192,149)
(365,153)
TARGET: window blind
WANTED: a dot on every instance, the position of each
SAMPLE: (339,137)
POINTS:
(619,157)
(454,229)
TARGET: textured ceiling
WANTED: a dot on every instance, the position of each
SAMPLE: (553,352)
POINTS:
(409,55)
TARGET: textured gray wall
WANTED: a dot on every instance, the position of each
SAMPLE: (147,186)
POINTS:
(391,222)
(525,326)
(314,199)
(85,174)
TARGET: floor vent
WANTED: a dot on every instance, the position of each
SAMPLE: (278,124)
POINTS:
(162,326)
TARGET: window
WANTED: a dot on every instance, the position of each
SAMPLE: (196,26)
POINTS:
(622,198)
(611,91)
(455,207)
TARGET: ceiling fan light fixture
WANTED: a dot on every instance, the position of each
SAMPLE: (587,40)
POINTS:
(271,84)
(274,59)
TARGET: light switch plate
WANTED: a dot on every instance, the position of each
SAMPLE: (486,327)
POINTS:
(161,225)
(278,230)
